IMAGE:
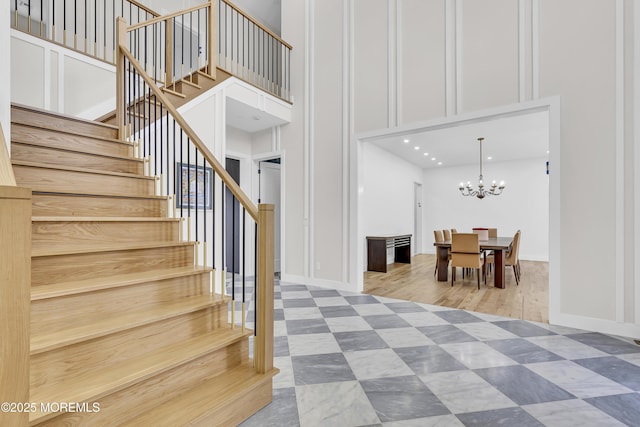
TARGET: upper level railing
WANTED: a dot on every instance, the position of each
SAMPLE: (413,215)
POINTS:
(170,47)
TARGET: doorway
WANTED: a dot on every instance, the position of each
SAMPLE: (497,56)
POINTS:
(417,219)
(232,220)
(269,191)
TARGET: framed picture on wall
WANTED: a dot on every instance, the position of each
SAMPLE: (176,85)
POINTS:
(195,186)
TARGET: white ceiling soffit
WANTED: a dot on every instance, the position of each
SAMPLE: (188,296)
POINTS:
(506,138)
(249,119)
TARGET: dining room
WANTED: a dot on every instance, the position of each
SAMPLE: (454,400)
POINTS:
(439,161)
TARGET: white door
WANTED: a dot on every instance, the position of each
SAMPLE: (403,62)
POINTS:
(269,176)
(417,219)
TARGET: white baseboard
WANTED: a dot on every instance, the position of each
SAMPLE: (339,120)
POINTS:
(323,283)
(604,326)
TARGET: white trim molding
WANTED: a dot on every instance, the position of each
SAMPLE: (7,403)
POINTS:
(636,155)
(619,156)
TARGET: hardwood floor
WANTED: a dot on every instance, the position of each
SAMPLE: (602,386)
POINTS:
(416,282)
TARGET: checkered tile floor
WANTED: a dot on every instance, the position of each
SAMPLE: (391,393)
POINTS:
(354,360)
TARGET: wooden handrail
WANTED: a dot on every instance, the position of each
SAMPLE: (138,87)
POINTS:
(208,155)
(167,17)
(246,15)
(143,7)
(6,170)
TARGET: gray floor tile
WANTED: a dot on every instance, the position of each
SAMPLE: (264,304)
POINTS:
(445,334)
(566,413)
(428,359)
(334,404)
(386,321)
(615,369)
(500,417)
(401,398)
(282,411)
(298,302)
(405,307)
(280,346)
(523,351)
(359,340)
(623,407)
(321,368)
(523,386)
(458,316)
(338,311)
(324,293)
(523,329)
(278,314)
(605,343)
(361,299)
(306,326)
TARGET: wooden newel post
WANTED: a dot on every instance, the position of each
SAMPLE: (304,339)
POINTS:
(213,37)
(263,354)
(15,298)
(121,33)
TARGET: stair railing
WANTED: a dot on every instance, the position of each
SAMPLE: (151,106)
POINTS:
(86,26)
(197,185)
(174,46)
(250,51)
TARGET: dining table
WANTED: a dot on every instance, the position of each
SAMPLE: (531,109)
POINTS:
(499,245)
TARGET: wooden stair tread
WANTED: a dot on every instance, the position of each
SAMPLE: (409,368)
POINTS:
(68,150)
(85,170)
(59,115)
(26,123)
(100,194)
(190,83)
(90,285)
(41,342)
(102,219)
(96,384)
(173,92)
(92,247)
(198,402)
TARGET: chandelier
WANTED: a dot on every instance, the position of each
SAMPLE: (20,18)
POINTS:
(481,192)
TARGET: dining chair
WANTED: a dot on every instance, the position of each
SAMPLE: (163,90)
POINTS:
(512,258)
(454,231)
(489,258)
(447,234)
(438,237)
(465,253)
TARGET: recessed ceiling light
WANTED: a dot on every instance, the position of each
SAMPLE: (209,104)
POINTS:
(489,158)
(433,158)
(439,163)
(406,141)
(426,154)
(547,151)
(416,148)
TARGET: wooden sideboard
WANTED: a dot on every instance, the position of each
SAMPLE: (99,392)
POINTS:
(377,251)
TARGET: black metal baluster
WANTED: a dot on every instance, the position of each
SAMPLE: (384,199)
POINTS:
(196,201)
(190,45)
(188,184)
(182,186)
(75,22)
(244,275)
(199,47)
(95,28)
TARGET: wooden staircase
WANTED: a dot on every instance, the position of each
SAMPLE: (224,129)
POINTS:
(122,320)
(179,93)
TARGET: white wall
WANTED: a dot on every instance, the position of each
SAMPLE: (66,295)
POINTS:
(387,194)
(524,204)
(495,52)
(48,76)
(5,74)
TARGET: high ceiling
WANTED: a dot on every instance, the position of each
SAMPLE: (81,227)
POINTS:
(506,138)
